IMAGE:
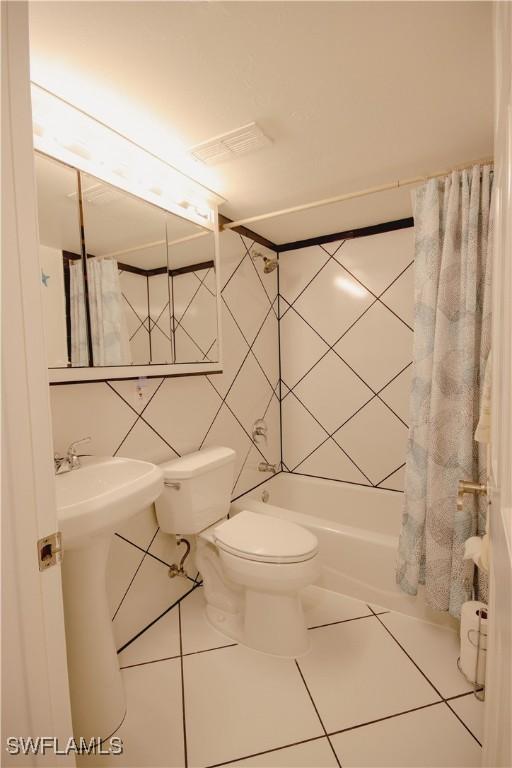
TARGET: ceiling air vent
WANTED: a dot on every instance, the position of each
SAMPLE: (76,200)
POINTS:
(230,145)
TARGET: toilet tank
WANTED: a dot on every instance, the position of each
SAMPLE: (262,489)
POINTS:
(197,490)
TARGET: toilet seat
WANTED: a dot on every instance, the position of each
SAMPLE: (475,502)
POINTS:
(266,539)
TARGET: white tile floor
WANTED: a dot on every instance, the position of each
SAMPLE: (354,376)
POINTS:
(377,689)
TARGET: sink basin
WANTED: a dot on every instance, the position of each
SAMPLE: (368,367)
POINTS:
(96,498)
(92,502)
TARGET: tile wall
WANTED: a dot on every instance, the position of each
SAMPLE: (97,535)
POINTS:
(178,415)
(195,316)
(346,314)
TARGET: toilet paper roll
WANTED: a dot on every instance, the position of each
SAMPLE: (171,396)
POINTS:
(473,616)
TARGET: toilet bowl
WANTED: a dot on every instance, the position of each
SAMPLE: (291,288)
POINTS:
(253,566)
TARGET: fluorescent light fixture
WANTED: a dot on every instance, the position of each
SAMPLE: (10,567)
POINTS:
(351,286)
(66,133)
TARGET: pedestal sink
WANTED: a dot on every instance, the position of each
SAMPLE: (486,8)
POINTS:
(92,501)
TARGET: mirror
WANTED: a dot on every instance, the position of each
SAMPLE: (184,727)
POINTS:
(60,250)
(194,297)
(128,291)
(140,287)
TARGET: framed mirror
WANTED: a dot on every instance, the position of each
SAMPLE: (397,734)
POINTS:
(134,288)
(62,269)
(192,271)
(128,301)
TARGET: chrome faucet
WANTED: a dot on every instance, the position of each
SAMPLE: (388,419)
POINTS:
(71,460)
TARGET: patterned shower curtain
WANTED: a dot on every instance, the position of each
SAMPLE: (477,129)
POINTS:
(79,349)
(452,323)
(109,332)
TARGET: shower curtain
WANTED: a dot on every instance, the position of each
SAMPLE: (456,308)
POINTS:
(109,332)
(453,232)
(79,351)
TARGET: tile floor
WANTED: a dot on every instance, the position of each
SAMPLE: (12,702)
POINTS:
(377,689)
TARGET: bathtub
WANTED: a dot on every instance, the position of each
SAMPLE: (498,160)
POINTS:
(357,530)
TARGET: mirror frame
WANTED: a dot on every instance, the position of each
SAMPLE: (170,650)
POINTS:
(102,373)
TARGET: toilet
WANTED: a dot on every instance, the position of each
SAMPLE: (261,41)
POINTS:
(253,566)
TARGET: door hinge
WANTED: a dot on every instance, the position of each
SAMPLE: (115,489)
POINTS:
(49,550)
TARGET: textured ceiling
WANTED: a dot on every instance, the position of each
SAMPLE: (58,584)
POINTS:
(352,94)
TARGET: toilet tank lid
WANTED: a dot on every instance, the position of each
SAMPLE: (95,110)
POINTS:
(197,463)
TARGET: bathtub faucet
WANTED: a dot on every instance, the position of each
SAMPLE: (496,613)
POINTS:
(264,466)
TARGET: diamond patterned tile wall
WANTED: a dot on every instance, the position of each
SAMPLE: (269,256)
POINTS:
(178,415)
(346,349)
(195,317)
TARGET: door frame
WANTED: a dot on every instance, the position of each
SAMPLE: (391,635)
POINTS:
(497,747)
(35,687)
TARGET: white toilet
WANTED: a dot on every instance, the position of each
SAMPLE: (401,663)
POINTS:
(253,566)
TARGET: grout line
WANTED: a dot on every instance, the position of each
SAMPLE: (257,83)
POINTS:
(259,277)
(280,382)
(125,437)
(390,474)
(152,661)
(266,480)
(244,462)
(445,701)
(151,623)
(183,692)
(317,712)
(397,315)
(147,552)
(223,288)
(386,717)
(184,655)
(266,752)
(140,415)
(327,438)
(394,377)
(207,650)
(290,305)
(461,695)
(135,574)
(341,242)
(407,654)
(344,621)
(404,270)
(337,480)
(459,718)
(392,411)
(188,305)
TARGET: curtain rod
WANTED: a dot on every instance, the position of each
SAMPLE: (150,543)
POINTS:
(351,195)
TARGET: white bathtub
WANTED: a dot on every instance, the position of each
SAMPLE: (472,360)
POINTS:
(357,529)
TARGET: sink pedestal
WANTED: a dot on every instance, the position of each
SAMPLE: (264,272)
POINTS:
(92,502)
(97,693)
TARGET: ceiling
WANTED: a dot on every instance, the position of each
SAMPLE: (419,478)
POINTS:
(352,94)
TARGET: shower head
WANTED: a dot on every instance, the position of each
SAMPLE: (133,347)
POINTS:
(269,264)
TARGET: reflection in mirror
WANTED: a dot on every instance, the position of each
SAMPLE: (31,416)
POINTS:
(61,264)
(129,300)
(194,295)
